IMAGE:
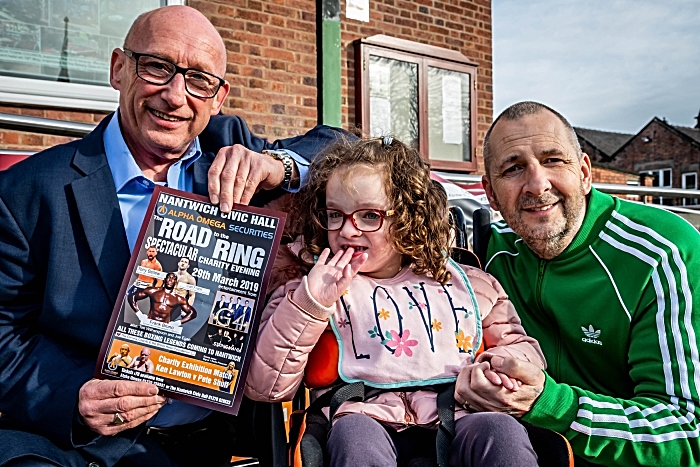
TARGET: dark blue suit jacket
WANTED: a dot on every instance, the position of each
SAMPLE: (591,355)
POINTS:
(238,312)
(63,254)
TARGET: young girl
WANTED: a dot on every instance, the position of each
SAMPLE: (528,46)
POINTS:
(403,314)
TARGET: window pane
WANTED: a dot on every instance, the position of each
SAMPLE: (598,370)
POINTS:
(65,40)
(690,182)
(656,175)
(393,99)
(666,175)
(449,115)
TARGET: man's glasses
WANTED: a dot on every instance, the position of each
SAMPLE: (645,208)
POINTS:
(364,220)
(158,71)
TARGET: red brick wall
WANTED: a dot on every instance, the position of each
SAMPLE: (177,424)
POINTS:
(271,48)
(607,175)
(272,58)
(603,175)
(658,147)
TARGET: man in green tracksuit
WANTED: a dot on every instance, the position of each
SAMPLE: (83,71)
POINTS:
(606,286)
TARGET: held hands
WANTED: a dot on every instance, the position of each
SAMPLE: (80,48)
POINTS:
(498,378)
(481,393)
(328,280)
(237,173)
(99,400)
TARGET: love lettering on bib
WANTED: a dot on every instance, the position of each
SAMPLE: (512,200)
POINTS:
(408,330)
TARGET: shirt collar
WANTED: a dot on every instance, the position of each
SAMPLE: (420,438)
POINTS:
(121,162)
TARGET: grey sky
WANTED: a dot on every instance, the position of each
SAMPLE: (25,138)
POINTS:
(608,65)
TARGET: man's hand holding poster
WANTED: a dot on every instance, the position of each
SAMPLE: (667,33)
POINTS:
(191,299)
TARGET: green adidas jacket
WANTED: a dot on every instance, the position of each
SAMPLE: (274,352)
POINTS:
(614,315)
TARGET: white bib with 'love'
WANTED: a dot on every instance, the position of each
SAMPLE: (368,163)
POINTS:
(408,330)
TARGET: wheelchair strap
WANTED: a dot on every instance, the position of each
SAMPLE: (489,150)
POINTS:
(446,429)
(345,393)
(445,405)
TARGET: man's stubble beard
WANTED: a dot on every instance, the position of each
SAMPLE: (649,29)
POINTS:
(544,240)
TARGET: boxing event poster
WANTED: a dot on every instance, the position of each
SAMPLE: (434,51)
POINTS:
(188,309)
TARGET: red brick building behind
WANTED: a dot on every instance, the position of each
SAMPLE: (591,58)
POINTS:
(272,62)
(669,153)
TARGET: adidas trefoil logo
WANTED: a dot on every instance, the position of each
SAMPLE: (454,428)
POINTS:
(591,335)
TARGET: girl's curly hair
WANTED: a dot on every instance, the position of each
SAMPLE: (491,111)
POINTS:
(419,230)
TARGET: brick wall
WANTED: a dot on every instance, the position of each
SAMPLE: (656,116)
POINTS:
(617,177)
(272,59)
(603,175)
(271,48)
(657,147)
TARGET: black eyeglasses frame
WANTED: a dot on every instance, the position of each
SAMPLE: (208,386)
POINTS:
(178,70)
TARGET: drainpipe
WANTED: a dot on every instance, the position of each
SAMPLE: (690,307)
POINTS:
(328,62)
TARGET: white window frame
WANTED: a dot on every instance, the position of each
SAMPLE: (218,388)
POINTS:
(684,178)
(658,173)
(670,177)
(684,185)
(42,93)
